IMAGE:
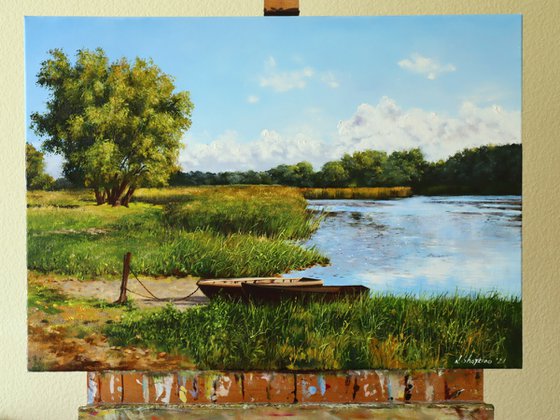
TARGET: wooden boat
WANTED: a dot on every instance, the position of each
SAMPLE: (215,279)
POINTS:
(231,288)
(265,293)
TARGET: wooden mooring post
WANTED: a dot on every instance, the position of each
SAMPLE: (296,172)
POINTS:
(126,270)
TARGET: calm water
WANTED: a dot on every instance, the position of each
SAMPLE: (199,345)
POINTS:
(421,245)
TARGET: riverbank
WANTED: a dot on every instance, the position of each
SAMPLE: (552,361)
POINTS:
(74,326)
(202,232)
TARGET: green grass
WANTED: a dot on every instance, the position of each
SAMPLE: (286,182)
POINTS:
(348,193)
(373,332)
(62,199)
(274,212)
(45,299)
(90,240)
(50,300)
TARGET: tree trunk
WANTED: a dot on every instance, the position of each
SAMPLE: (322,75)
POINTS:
(115,196)
(99,196)
(126,199)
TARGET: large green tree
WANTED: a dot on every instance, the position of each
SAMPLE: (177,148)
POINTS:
(35,175)
(117,124)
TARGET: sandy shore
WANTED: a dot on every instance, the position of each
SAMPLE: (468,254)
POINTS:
(164,288)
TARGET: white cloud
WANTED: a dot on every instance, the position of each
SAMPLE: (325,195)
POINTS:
(425,66)
(253,99)
(330,80)
(283,81)
(270,63)
(384,126)
(287,80)
(270,149)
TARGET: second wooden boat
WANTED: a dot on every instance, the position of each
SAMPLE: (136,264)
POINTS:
(265,293)
(231,288)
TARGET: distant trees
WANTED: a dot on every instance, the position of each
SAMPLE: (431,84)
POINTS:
(483,170)
(405,167)
(298,175)
(35,175)
(118,125)
(332,174)
(365,168)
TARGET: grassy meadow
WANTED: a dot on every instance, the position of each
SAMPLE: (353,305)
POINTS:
(203,232)
(373,332)
(232,232)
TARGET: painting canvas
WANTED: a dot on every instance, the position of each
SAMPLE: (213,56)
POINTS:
(280,194)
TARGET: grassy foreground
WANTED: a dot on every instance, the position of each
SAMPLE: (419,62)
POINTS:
(373,332)
(203,232)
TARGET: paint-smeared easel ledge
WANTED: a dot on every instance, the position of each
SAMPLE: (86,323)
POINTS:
(345,387)
(307,411)
(281,7)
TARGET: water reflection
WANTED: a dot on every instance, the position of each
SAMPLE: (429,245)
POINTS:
(422,245)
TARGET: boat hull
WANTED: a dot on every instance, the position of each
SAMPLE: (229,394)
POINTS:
(232,288)
(263,293)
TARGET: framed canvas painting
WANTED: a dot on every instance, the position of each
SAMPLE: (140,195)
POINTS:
(273,194)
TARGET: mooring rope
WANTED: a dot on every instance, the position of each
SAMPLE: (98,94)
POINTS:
(139,294)
(154,296)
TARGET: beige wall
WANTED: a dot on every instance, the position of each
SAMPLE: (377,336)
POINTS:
(531,393)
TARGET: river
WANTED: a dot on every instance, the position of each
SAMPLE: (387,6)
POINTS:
(421,245)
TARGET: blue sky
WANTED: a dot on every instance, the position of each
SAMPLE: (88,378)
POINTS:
(268,91)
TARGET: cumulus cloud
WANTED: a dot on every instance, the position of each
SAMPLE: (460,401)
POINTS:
(253,99)
(384,126)
(425,66)
(270,149)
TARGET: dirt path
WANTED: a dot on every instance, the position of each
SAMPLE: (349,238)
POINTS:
(167,287)
(64,335)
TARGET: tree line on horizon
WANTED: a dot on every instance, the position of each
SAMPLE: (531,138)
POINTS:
(482,170)
(486,169)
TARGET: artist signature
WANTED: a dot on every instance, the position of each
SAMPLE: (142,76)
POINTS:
(476,361)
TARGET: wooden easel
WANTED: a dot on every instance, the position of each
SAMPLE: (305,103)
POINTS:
(256,395)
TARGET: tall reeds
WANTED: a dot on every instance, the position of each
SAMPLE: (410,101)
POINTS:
(364,193)
(381,331)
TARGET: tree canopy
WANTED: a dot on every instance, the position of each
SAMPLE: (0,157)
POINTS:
(118,124)
(35,175)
